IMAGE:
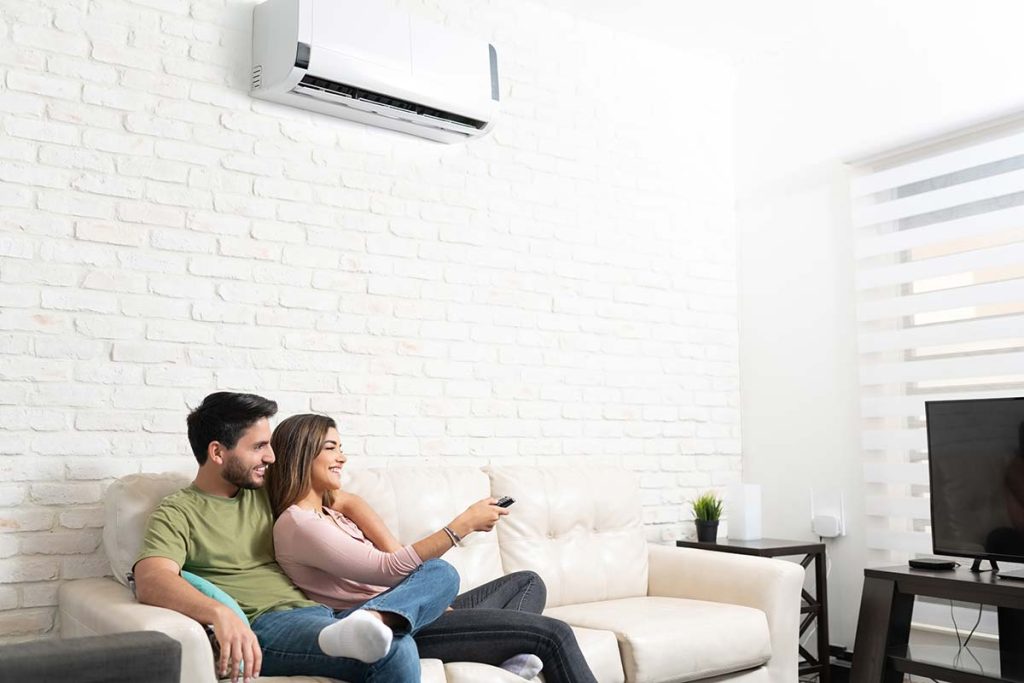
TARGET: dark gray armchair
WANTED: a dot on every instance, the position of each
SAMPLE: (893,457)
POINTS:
(133,657)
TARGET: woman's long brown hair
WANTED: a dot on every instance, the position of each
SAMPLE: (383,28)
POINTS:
(297,442)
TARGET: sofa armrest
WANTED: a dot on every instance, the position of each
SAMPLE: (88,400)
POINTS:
(103,606)
(772,586)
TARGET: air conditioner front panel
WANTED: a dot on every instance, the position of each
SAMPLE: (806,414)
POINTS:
(365,31)
(444,56)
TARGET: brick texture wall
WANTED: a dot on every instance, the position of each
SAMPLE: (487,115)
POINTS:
(561,291)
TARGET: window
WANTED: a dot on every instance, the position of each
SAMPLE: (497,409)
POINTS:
(940,283)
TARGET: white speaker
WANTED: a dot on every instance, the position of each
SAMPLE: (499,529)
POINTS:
(743,510)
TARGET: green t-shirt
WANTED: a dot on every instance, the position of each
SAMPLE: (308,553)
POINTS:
(227,541)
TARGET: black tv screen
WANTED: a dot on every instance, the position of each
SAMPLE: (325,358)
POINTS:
(976,468)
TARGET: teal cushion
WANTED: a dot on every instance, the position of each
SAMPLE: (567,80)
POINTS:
(211,591)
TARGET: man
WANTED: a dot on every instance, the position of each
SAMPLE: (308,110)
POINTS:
(221,528)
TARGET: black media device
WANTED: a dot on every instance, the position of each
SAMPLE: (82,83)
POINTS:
(505,501)
(933,563)
(976,476)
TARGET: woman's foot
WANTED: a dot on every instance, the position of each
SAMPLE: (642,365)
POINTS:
(361,635)
(525,665)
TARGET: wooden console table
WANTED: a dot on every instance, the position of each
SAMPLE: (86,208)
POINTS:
(814,607)
(882,653)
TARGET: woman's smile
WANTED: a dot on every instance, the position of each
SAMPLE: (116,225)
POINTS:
(329,462)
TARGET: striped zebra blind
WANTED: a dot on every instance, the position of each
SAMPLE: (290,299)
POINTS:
(940,283)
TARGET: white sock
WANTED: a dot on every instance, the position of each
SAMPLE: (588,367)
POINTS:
(360,636)
(525,665)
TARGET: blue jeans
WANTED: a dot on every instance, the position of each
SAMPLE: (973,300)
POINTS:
(288,638)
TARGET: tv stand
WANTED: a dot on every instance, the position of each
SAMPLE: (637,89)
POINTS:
(976,566)
(883,652)
(1013,576)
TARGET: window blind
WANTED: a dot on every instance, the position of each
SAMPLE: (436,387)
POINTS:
(940,306)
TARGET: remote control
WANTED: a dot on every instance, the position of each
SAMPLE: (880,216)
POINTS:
(505,501)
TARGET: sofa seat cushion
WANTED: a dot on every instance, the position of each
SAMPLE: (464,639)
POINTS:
(472,672)
(666,640)
(601,650)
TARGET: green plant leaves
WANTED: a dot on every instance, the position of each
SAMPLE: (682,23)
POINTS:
(707,507)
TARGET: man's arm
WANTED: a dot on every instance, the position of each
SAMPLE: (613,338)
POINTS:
(368,521)
(158,582)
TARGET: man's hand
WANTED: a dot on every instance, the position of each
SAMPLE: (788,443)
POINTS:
(158,583)
(238,645)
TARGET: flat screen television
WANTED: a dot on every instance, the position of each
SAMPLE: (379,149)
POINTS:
(976,472)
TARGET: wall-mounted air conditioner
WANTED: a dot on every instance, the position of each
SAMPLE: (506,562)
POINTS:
(358,60)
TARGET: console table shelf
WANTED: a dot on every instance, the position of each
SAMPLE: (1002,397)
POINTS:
(942,663)
(882,653)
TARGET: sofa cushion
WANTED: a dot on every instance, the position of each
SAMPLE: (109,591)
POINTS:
(579,528)
(417,501)
(672,639)
(212,591)
(472,672)
(601,650)
(129,502)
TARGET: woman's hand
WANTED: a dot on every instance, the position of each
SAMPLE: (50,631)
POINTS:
(480,516)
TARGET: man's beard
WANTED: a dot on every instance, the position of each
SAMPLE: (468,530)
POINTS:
(236,473)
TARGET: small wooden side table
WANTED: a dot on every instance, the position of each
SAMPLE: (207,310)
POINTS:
(814,607)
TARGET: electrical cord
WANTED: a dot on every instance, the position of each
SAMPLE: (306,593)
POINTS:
(977,621)
(962,644)
(956,629)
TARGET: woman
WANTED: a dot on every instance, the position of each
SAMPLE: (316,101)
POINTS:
(340,553)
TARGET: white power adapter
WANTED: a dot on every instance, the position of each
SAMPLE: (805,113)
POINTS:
(828,514)
(826,526)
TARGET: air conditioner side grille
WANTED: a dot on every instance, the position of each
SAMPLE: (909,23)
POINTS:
(355,93)
(257,76)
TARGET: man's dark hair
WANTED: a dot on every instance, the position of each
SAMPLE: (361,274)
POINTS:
(224,416)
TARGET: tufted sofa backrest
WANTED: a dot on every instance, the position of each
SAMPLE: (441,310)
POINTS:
(580,528)
(129,502)
(417,501)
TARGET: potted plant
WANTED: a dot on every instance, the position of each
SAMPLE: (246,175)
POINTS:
(707,510)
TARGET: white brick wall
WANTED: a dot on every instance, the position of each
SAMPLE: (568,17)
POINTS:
(563,290)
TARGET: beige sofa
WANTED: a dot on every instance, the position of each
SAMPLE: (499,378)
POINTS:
(641,612)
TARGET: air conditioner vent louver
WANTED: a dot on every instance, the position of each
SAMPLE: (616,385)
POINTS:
(257,76)
(352,92)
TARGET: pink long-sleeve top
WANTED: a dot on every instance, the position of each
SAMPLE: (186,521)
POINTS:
(331,560)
